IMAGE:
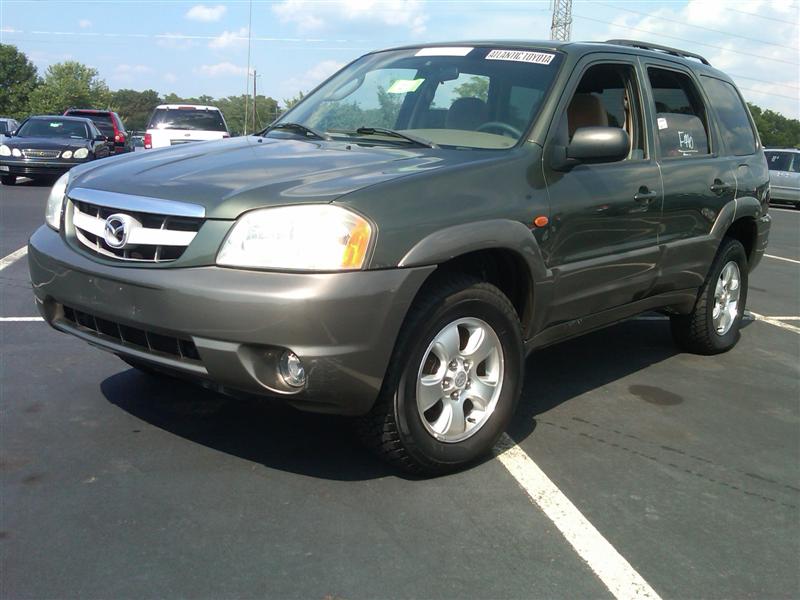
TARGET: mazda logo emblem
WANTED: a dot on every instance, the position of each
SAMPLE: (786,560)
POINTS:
(117,230)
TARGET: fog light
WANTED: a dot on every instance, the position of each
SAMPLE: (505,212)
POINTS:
(292,370)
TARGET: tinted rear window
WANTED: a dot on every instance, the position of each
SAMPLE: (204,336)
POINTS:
(181,118)
(102,121)
(734,122)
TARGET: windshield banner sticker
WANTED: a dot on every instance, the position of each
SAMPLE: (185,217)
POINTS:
(454,51)
(404,86)
(537,58)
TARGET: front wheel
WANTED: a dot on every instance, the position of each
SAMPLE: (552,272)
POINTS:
(454,380)
(713,326)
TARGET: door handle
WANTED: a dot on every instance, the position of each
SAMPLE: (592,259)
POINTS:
(718,187)
(644,195)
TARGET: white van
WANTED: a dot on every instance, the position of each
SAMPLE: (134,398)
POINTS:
(173,124)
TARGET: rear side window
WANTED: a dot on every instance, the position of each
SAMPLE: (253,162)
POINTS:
(187,118)
(681,120)
(733,120)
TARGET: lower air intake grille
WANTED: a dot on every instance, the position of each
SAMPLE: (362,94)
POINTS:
(140,339)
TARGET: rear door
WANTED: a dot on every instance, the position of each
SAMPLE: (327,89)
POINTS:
(698,179)
(602,244)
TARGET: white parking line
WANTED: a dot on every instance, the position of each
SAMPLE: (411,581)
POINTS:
(20,319)
(773,321)
(616,573)
(791,260)
(13,257)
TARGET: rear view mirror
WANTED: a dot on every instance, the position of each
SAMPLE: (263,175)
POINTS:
(599,144)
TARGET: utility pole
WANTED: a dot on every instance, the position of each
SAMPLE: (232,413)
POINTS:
(561,27)
(254,100)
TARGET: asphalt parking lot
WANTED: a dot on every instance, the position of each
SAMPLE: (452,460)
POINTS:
(118,484)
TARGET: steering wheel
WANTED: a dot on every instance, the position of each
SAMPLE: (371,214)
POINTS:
(503,128)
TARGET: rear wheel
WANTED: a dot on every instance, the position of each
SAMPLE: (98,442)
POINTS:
(713,326)
(454,380)
(8,179)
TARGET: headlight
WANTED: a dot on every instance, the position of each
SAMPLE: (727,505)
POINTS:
(310,237)
(16,152)
(81,153)
(55,201)
(66,154)
(5,150)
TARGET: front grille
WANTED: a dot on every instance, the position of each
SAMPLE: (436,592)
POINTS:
(141,339)
(30,153)
(165,237)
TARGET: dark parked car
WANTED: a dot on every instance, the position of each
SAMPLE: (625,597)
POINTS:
(47,146)
(396,244)
(109,123)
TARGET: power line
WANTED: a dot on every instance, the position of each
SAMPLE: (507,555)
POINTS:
(778,83)
(680,39)
(766,93)
(636,12)
(750,14)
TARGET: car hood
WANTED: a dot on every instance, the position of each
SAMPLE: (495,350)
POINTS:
(45,143)
(231,176)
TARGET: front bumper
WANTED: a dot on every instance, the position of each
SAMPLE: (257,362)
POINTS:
(33,167)
(342,325)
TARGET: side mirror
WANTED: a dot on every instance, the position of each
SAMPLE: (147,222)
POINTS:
(594,145)
(599,144)
(12,133)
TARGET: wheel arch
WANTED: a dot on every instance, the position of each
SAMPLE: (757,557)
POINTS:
(501,252)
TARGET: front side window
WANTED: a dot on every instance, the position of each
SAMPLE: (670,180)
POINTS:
(607,96)
(454,97)
(60,128)
(681,121)
(733,120)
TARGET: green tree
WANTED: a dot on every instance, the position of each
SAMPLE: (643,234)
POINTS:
(290,102)
(134,107)
(69,84)
(775,129)
(18,79)
(476,87)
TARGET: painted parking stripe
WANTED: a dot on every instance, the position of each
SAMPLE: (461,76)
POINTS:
(791,260)
(20,319)
(773,321)
(616,573)
(13,257)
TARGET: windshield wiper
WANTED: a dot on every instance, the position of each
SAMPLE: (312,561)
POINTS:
(391,133)
(304,129)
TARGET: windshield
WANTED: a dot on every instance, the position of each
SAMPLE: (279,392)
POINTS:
(780,161)
(187,118)
(60,128)
(454,97)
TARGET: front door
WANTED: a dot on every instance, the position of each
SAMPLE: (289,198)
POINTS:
(602,244)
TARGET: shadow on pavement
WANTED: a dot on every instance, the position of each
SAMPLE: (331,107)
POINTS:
(266,432)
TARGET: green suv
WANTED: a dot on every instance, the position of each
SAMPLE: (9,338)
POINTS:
(394,246)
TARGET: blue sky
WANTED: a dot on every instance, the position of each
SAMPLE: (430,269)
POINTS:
(196,48)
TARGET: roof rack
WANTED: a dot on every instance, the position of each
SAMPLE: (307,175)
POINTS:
(658,47)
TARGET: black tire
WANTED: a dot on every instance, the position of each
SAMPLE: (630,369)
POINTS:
(8,179)
(393,429)
(695,332)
